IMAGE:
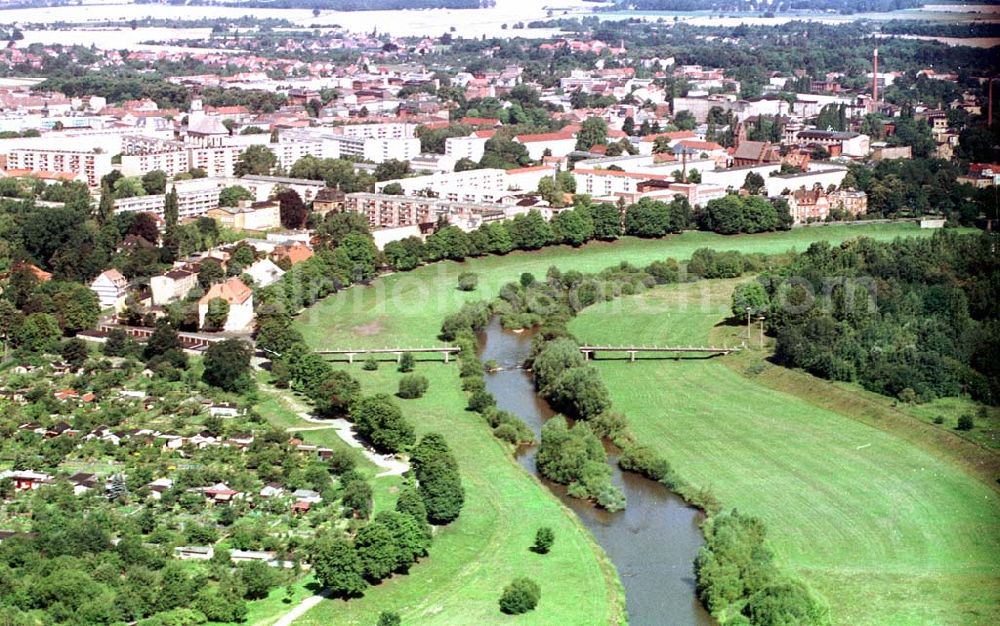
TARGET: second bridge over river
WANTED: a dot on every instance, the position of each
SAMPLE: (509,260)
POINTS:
(590,352)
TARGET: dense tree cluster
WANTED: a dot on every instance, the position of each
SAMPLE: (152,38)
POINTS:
(751,214)
(913,318)
(737,577)
(227,365)
(575,457)
(439,483)
(390,544)
(380,420)
(902,187)
(652,218)
(35,315)
(339,173)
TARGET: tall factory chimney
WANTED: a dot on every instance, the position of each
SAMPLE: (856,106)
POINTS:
(875,81)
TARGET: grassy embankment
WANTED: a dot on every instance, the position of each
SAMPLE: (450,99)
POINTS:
(879,511)
(472,559)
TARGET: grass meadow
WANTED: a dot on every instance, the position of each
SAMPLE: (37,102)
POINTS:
(889,530)
(406,309)
(472,559)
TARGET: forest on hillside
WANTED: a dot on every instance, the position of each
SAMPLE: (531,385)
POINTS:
(914,319)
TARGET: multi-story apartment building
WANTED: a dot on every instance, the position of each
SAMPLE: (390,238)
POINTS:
(471,147)
(195,198)
(386,211)
(376,149)
(838,143)
(815,205)
(145,154)
(377,131)
(215,160)
(485,185)
(110,287)
(173,284)
(90,164)
(604,183)
(373,142)
(263,187)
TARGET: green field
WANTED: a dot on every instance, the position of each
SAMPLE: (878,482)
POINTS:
(473,558)
(406,309)
(887,530)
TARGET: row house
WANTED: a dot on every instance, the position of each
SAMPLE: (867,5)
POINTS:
(815,205)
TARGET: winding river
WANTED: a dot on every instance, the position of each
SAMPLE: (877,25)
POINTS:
(652,543)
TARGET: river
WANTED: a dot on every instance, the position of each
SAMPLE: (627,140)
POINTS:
(652,543)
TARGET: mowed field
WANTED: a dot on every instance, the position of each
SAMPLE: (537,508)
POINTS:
(888,532)
(472,559)
(406,309)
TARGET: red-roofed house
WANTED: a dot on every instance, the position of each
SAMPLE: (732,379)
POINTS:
(481,121)
(240,299)
(295,253)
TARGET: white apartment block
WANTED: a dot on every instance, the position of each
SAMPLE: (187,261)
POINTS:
(734,177)
(195,198)
(376,150)
(373,142)
(145,154)
(215,160)
(556,144)
(526,179)
(604,183)
(263,187)
(385,211)
(89,164)
(377,131)
(485,185)
(471,147)
(290,151)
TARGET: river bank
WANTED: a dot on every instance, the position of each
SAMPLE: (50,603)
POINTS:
(652,543)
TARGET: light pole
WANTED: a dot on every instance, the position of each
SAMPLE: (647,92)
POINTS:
(748,327)
(760,318)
